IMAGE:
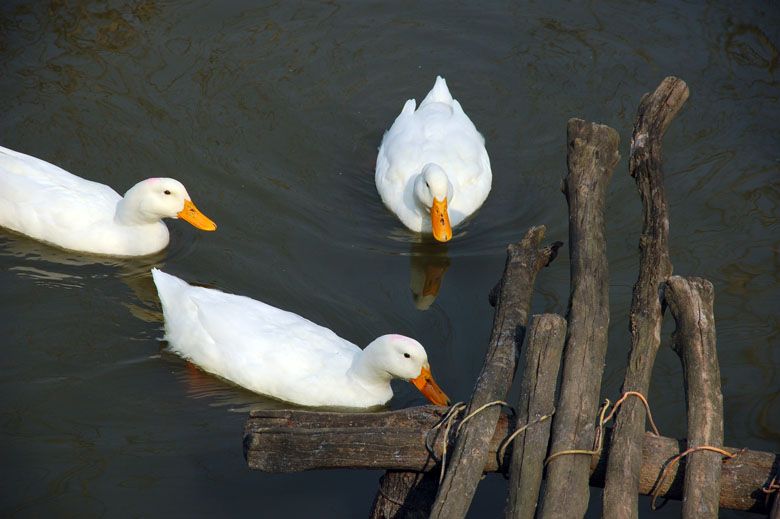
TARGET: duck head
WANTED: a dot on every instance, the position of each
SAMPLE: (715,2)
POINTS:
(403,357)
(433,189)
(155,198)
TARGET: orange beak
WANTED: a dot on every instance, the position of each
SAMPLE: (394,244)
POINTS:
(429,388)
(191,214)
(440,220)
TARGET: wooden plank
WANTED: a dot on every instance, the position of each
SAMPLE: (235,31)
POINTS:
(297,440)
(464,468)
(537,399)
(284,441)
(690,301)
(654,115)
(592,156)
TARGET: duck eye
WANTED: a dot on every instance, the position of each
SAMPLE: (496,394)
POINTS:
(167,192)
(407,355)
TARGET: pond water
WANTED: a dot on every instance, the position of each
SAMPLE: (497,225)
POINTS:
(271,114)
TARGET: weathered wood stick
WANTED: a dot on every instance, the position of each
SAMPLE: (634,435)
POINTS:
(464,468)
(297,440)
(775,512)
(404,495)
(690,301)
(592,156)
(537,399)
(654,115)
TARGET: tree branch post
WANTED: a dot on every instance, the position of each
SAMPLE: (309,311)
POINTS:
(654,115)
(537,399)
(690,301)
(404,495)
(592,156)
(464,469)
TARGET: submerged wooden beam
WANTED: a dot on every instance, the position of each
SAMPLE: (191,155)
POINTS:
(537,399)
(296,440)
(654,115)
(690,301)
(464,469)
(592,156)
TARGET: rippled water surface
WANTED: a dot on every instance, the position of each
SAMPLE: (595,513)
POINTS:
(271,115)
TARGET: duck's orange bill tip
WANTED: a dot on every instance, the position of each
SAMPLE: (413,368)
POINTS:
(440,220)
(191,214)
(429,388)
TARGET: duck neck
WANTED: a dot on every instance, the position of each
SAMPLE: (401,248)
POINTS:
(129,211)
(432,182)
(366,371)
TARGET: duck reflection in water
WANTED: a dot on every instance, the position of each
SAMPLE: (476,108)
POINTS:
(50,266)
(428,262)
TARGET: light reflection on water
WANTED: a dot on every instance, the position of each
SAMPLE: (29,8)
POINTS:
(272,115)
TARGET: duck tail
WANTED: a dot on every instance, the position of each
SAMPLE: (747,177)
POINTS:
(439,93)
(167,285)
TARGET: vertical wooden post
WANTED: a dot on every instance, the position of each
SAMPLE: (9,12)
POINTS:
(537,398)
(774,513)
(404,495)
(464,469)
(592,156)
(690,301)
(654,115)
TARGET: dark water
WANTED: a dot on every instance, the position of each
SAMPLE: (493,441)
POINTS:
(271,115)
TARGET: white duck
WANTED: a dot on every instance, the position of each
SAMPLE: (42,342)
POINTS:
(283,355)
(49,204)
(432,169)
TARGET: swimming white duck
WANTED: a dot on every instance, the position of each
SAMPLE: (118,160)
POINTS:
(49,204)
(283,355)
(432,169)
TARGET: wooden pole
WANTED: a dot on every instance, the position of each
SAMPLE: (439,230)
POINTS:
(690,301)
(537,399)
(775,512)
(654,115)
(416,491)
(592,156)
(296,440)
(464,468)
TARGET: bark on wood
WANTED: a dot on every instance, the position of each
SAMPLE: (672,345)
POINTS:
(296,440)
(690,301)
(592,156)
(537,398)
(464,468)
(654,115)
(416,491)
